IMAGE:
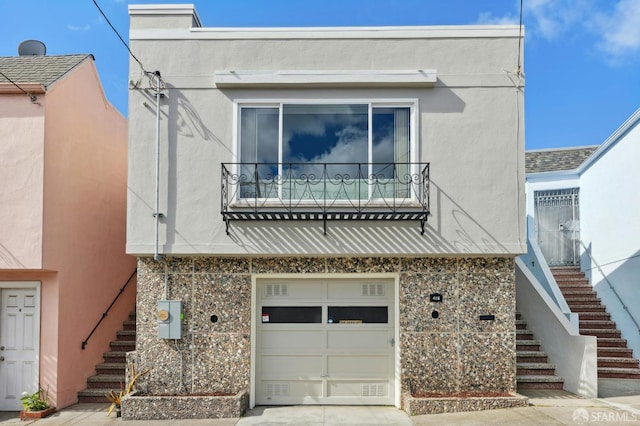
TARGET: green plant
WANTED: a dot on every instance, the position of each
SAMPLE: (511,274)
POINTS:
(116,398)
(37,401)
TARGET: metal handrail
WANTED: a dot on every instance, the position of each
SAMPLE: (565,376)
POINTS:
(624,306)
(104,314)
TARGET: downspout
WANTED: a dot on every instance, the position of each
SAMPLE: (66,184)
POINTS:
(157,215)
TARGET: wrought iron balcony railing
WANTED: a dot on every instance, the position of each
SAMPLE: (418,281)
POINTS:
(325,191)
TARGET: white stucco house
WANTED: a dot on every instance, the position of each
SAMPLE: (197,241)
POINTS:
(325,215)
(583,216)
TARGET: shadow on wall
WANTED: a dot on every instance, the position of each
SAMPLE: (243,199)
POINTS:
(450,229)
(8,260)
(624,276)
(466,234)
(185,123)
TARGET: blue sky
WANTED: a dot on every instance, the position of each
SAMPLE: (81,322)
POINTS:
(582,57)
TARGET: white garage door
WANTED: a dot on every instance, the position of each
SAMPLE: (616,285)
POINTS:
(325,342)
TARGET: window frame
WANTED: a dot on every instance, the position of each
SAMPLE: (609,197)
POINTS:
(411,103)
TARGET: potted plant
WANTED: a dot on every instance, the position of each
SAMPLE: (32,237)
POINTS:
(116,398)
(36,405)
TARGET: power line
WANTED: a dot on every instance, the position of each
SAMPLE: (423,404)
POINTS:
(119,36)
(31,96)
(520,41)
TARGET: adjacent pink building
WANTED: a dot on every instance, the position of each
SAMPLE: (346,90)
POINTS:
(63,151)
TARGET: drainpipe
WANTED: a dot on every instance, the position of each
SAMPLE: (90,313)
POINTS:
(157,215)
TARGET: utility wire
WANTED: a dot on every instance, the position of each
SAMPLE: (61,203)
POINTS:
(31,96)
(119,36)
(520,42)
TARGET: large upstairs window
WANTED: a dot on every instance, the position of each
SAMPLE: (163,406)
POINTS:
(339,151)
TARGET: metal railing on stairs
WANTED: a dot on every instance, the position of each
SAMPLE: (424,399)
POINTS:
(624,306)
(105,313)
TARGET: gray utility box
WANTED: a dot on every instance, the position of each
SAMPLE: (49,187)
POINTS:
(170,319)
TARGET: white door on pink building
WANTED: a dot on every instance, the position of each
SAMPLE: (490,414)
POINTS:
(19,345)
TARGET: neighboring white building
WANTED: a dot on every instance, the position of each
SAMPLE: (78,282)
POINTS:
(605,228)
(583,213)
(337,209)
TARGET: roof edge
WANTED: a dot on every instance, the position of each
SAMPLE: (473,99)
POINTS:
(611,140)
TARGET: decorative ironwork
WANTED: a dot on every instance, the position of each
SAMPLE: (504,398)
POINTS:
(325,191)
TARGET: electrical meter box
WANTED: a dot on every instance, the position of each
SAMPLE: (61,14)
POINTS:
(170,319)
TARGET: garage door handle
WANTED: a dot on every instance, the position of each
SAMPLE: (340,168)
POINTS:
(324,375)
(393,342)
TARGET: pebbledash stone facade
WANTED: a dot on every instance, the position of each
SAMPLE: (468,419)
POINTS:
(455,353)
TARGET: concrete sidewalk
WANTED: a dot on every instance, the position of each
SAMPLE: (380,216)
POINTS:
(546,408)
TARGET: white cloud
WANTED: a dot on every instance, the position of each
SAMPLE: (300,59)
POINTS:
(487,18)
(553,18)
(620,30)
(85,27)
(612,27)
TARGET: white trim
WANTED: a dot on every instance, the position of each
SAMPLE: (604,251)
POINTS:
(610,141)
(397,354)
(397,32)
(354,78)
(165,9)
(252,367)
(30,285)
(326,276)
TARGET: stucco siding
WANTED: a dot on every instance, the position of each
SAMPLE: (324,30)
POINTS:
(21,174)
(469,129)
(610,230)
(84,224)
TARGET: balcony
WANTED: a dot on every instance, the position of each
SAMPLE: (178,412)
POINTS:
(325,192)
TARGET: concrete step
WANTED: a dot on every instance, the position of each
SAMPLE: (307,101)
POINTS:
(129,325)
(94,395)
(594,316)
(618,373)
(535,369)
(528,345)
(614,352)
(588,307)
(126,335)
(600,324)
(115,357)
(125,346)
(571,282)
(531,357)
(539,382)
(105,382)
(111,368)
(617,362)
(611,342)
(577,284)
(581,299)
(524,335)
(608,334)
(567,273)
(576,291)
(521,325)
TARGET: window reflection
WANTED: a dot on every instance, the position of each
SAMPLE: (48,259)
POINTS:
(326,151)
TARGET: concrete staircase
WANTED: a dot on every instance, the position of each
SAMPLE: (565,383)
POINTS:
(615,360)
(111,373)
(533,370)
